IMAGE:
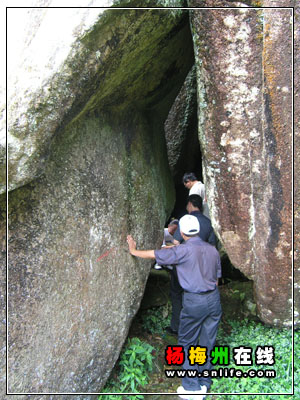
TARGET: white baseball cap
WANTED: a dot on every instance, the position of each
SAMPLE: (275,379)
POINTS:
(189,225)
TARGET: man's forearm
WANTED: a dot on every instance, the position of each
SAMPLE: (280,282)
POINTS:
(143,253)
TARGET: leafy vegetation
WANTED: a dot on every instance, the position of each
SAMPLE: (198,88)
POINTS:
(134,366)
(137,358)
(156,319)
(253,334)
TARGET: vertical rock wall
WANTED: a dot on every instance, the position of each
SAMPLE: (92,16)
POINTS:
(297,161)
(244,78)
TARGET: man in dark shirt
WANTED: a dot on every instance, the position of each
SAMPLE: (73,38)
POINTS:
(195,207)
(198,267)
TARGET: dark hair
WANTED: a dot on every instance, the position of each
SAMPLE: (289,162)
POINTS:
(189,176)
(196,200)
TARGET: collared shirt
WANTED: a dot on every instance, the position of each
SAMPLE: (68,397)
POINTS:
(197,262)
(206,231)
(199,189)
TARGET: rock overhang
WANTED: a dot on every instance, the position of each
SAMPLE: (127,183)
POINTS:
(128,58)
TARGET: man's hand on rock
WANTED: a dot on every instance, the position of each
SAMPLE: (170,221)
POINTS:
(131,244)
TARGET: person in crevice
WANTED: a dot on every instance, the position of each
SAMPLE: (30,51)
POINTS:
(191,182)
(168,239)
(198,268)
(194,207)
(169,233)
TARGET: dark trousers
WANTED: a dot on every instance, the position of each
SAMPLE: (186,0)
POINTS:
(176,293)
(199,320)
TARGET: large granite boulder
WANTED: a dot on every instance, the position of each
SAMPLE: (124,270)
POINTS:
(98,172)
(244,80)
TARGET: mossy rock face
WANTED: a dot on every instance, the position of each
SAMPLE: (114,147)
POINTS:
(127,58)
(74,288)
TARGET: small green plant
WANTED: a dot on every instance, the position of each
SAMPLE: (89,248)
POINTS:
(156,319)
(134,366)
